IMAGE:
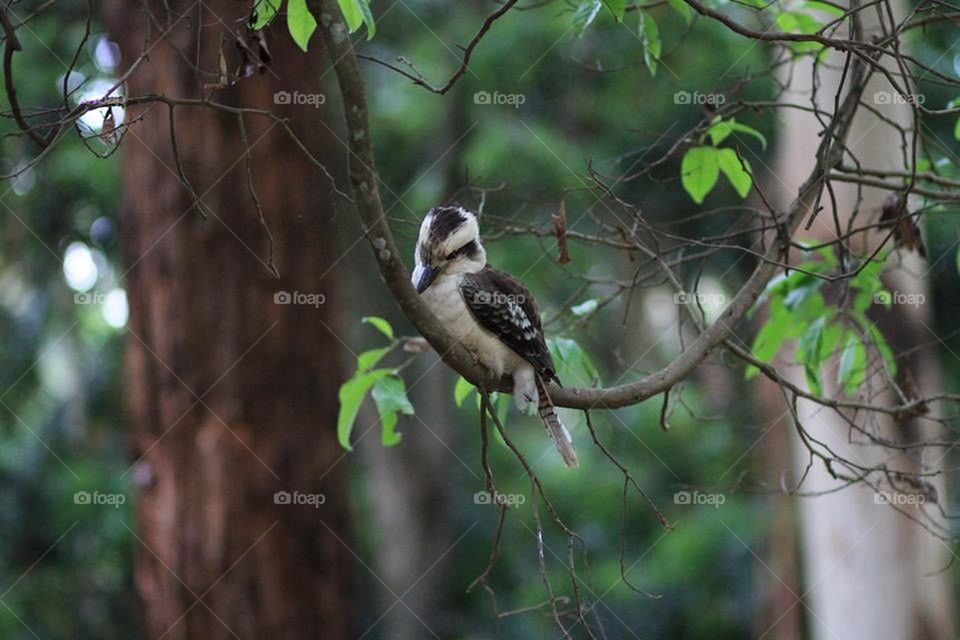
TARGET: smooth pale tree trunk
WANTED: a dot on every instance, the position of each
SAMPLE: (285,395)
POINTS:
(865,566)
(230,396)
(412,497)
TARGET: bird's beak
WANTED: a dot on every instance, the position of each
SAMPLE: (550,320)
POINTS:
(423,276)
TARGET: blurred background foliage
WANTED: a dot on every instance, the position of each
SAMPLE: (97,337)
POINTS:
(586,100)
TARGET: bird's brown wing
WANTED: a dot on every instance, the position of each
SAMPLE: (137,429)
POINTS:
(504,307)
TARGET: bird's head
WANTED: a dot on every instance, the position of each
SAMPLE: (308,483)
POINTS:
(449,243)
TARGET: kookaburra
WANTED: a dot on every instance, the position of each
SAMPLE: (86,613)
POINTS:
(487,311)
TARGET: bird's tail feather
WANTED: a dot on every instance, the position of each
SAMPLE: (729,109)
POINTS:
(558,432)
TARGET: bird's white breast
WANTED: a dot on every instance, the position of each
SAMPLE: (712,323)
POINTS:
(444,299)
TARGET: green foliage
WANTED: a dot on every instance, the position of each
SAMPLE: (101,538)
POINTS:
(461,390)
(588,10)
(617,7)
(390,396)
(805,18)
(683,9)
(301,23)
(650,38)
(702,165)
(385,386)
(351,394)
(573,363)
(585,14)
(721,129)
(737,170)
(263,13)
(699,171)
(798,311)
(380,324)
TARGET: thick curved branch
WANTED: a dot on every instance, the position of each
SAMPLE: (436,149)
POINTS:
(12,46)
(366,195)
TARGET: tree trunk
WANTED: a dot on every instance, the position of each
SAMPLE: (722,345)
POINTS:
(869,571)
(230,395)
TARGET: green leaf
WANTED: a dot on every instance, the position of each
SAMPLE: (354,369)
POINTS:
(880,342)
(501,404)
(956,129)
(737,172)
(380,324)
(853,364)
(352,13)
(351,394)
(771,335)
(750,131)
(683,9)
(462,390)
(721,129)
(390,396)
(368,359)
(796,22)
(585,14)
(263,12)
(368,18)
(699,171)
(650,38)
(617,7)
(584,308)
(300,22)
(809,349)
(572,362)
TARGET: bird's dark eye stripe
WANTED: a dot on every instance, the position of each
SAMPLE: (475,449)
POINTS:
(466,250)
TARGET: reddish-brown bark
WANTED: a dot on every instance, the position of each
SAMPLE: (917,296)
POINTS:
(204,323)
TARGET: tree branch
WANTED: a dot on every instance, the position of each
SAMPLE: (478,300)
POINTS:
(370,209)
